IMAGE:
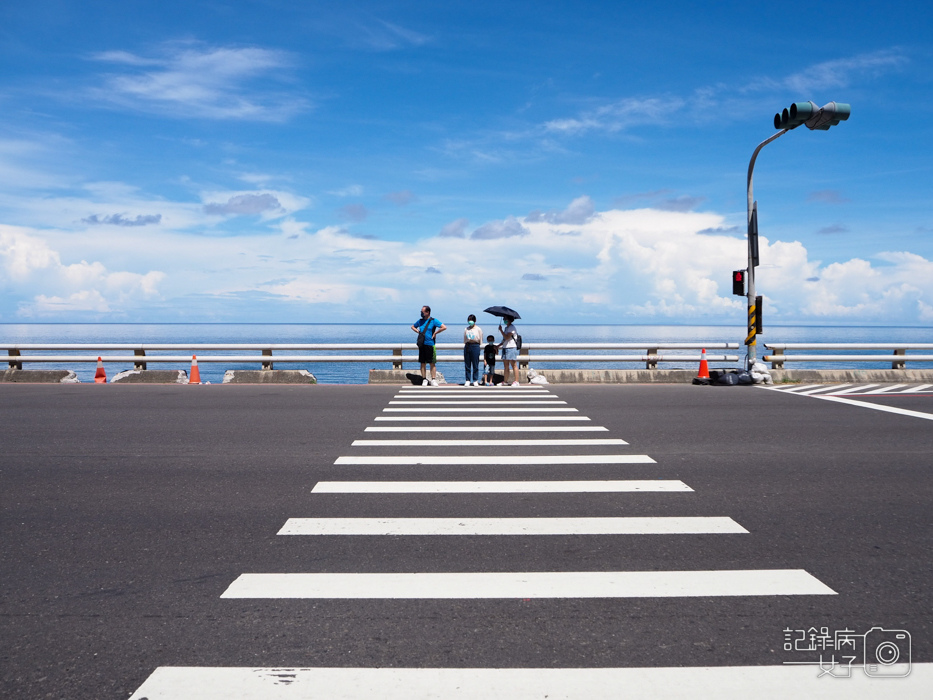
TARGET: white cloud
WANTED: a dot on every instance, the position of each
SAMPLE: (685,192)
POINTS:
(190,80)
(636,265)
(42,285)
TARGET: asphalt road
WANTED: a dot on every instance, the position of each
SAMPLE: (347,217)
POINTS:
(128,511)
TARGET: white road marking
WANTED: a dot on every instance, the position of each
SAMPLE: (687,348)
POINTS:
(795,389)
(915,389)
(856,388)
(831,388)
(513,526)
(525,584)
(493,402)
(472,389)
(700,682)
(885,389)
(491,429)
(496,460)
(590,486)
(483,442)
(879,407)
(482,418)
(477,395)
(432,409)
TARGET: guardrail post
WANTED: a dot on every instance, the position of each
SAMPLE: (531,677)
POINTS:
(15,353)
(267,366)
(652,359)
(523,358)
(396,358)
(139,352)
(899,364)
(777,359)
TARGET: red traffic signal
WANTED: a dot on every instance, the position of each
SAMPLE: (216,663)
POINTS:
(738,283)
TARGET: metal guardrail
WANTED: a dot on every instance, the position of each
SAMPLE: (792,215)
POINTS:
(898,360)
(140,357)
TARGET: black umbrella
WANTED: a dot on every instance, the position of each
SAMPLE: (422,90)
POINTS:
(502,311)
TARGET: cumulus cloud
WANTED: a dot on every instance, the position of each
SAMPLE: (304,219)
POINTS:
(508,228)
(637,265)
(47,286)
(121,220)
(244,205)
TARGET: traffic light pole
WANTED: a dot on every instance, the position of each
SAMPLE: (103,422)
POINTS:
(753,311)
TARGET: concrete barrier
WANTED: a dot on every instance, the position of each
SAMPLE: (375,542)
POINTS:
(851,376)
(561,376)
(40,376)
(269,376)
(151,376)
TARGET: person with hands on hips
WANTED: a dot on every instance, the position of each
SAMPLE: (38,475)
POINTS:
(427,328)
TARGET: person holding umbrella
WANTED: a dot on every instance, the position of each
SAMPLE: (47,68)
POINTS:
(509,344)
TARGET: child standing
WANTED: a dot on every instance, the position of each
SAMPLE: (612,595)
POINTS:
(489,360)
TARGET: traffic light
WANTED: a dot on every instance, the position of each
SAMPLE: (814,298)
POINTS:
(829,115)
(795,115)
(814,117)
(738,283)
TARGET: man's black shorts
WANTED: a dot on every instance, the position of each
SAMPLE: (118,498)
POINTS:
(427,354)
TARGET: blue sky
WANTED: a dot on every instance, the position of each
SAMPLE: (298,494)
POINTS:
(349,161)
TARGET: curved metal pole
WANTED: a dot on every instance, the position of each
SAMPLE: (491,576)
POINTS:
(750,276)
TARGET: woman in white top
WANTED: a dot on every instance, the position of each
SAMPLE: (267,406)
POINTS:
(509,346)
(472,338)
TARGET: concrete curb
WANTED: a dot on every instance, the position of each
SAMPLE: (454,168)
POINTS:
(151,376)
(40,376)
(559,376)
(683,376)
(276,376)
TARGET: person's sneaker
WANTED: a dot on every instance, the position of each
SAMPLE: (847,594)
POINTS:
(434,382)
(475,383)
(515,384)
(424,382)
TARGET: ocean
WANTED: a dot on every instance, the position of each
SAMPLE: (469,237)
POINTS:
(358,373)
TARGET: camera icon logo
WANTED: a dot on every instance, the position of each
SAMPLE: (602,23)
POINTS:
(886,652)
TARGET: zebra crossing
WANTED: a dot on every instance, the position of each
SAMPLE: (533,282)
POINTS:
(491,410)
(849,393)
(853,389)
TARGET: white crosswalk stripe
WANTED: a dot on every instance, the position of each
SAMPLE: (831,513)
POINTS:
(483,442)
(676,683)
(530,584)
(566,486)
(511,526)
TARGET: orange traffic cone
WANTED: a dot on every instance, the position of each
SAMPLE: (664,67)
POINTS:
(100,377)
(704,368)
(195,377)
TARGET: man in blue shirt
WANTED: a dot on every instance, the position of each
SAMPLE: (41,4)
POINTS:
(427,329)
